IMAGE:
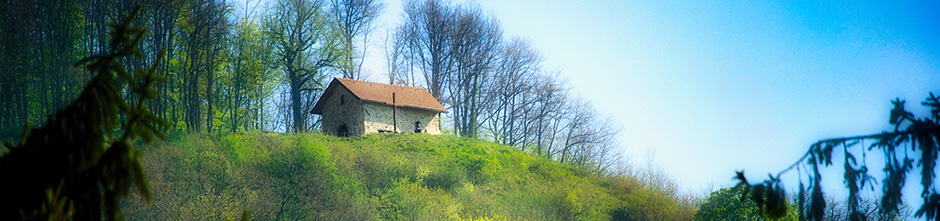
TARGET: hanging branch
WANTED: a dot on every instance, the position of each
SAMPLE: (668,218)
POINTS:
(921,135)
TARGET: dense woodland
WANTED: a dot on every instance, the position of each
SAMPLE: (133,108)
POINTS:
(264,68)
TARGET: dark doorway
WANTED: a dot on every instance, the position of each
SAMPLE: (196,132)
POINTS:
(342,130)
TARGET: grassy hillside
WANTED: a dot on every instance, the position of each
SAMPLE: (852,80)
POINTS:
(378,177)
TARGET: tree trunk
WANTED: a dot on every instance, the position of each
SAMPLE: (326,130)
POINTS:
(300,124)
(209,113)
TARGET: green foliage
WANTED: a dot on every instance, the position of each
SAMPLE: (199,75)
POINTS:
(248,79)
(727,204)
(378,176)
(77,153)
(304,46)
(910,135)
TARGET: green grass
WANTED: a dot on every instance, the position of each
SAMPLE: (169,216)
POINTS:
(378,177)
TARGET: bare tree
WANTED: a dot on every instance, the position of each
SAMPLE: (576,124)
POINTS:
(547,113)
(476,42)
(353,19)
(395,49)
(514,76)
(579,131)
(428,26)
(601,148)
(495,90)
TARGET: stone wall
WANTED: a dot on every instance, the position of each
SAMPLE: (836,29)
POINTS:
(379,117)
(342,109)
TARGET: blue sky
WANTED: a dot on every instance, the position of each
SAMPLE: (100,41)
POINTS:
(714,87)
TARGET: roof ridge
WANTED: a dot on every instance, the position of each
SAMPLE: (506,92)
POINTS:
(414,97)
(363,81)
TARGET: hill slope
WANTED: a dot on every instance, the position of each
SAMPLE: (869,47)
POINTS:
(379,176)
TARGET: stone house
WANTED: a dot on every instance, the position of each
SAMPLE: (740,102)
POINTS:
(352,108)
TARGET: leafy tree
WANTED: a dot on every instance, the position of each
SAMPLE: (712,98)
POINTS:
(14,106)
(38,39)
(163,17)
(303,47)
(248,76)
(726,204)
(913,140)
(205,28)
(75,165)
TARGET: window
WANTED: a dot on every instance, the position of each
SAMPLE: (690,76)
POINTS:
(342,99)
(417,126)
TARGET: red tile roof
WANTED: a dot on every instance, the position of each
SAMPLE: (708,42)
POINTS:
(411,97)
